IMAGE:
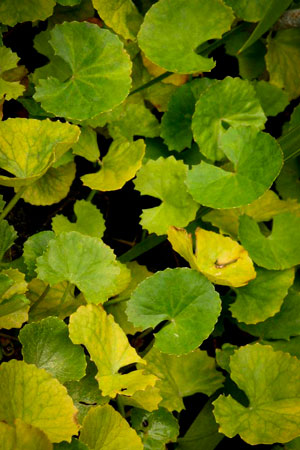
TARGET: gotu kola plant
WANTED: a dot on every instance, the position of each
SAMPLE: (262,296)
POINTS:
(178,329)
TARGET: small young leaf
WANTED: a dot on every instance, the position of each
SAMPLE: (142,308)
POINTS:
(183,297)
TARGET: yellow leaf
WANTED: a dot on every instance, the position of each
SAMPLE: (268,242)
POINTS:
(23,437)
(148,399)
(221,259)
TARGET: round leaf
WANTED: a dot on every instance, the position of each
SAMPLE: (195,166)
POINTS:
(183,297)
(273,412)
(257,160)
(33,395)
(35,247)
(47,345)
(12,11)
(278,251)
(100,77)
(174,25)
(23,437)
(229,102)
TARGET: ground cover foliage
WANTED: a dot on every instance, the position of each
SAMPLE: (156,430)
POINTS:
(149,224)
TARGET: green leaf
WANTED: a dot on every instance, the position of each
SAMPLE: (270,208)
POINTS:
(8,60)
(89,220)
(121,163)
(284,324)
(12,12)
(87,145)
(272,99)
(104,428)
(176,124)
(155,428)
(14,305)
(183,297)
(42,142)
(7,237)
(33,395)
(222,260)
(262,298)
(203,433)
(100,78)
(22,436)
(291,346)
(122,16)
(68,2)
(35,247)
(257,160)
(249,11)
(182,376)
(84,261)
(164,179)
(283,58)
(162,30)
(287,184)
(47,345)
(272,415)
(231,102)
(279,250)
(109,348)
(73,445)
(223,356)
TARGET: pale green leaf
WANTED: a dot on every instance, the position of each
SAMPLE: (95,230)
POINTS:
(33,395)
(87,145)
(271,382)
(89,220)
(291,346)
(279,250)
(181,376)
(7,237)
(183,297)
(163,29)
(223,356)
(47,345)
(12,11)
(262,298)
(8,60)
(164,179)
(104,428)
(42,142)
(84,261)
(272,99)
(100,78)
(35,247)
(231,102)
(121,163)
(249,11)
(22,436)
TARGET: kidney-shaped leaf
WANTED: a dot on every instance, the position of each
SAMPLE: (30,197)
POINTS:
(12,11)
(180,27)
(221,259)
(84,261)
(105,428)
(271,382)
(28,147)
(278,251)
(33,395)
(230,102)
(183,297)
(100,77)
(257,160)
(47,345)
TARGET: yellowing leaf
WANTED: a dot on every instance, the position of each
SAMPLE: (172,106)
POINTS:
(9,89)
(14,305)
(221,259)
(154,70)
(87,145)
(148,399)
(33,395)
(123,160)
(23,437)
(104,428)
(109,348)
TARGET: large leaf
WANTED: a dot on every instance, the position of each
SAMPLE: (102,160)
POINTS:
(122,16)
(277,251)
(183,297)
(8,60)
(100,78)
(109,348)
(174,25)
(35,247)
(229,102)
(121,163)
(22,436)
(84,261)
(42,142)
(104,428)
(221,259)
(47,345)
(14,305)
(273,412)
(257,159)
(181,376)
(12,11)
(164,179)
(33,395)
(262,297)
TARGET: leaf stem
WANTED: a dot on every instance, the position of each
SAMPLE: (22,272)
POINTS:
(151,82)
(64,296)
(91,195)
(120,405)
(41,298)
(114,301)
(12,203)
